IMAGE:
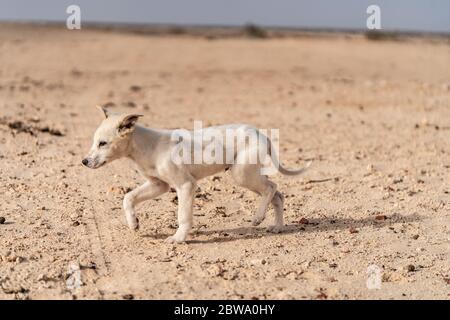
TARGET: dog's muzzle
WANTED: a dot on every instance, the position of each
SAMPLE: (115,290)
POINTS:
(92,163)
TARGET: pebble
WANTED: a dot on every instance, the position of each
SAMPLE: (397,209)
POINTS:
(2,220)
(410,268)
(353,230)
(303,221)
(256,262)
(118,190)
(128,296)
(415,237)
(135,88)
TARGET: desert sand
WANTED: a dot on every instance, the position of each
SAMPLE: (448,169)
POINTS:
(374,116)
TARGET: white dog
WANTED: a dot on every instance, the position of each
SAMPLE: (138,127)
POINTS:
(152,150)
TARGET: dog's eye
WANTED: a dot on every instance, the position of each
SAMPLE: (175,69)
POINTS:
(102,143)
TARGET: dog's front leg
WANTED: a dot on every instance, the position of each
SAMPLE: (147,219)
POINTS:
(185,195)
(151,189)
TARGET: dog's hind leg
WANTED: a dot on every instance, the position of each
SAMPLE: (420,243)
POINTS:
(149,190)
(267,191)
(249,176)
(277,202)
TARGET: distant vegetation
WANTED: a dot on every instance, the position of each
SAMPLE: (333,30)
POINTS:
(176,30)
(249,30)
(254,31)
(377,35)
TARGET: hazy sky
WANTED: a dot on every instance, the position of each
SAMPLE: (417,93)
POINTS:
(417,15)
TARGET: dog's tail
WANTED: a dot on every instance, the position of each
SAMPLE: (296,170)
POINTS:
(283,170)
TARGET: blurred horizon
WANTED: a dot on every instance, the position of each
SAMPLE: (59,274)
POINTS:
(402,16)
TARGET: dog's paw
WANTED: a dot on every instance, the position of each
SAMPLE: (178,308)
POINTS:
(256,221)
(175,239)
(275,229)
(134,225)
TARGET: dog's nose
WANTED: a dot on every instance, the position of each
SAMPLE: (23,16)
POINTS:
(85,162)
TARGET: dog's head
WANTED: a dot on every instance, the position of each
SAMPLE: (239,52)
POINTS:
(111,139)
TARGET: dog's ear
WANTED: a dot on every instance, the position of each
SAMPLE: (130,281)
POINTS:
(126,124)
(105,111)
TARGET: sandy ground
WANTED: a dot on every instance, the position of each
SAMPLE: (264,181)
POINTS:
(374,116)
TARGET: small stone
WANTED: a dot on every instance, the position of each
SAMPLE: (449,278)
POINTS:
(118,190)
(76,73)
(256,262)
(353,230)
(303,221)
(332,279)
(322,296)
(221,211)
(333,265)
(393,277)
(415,237)
(128,296)
(2,220)
(380,217)
(215,270)
(135,88)
(75,223)
(410,268)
